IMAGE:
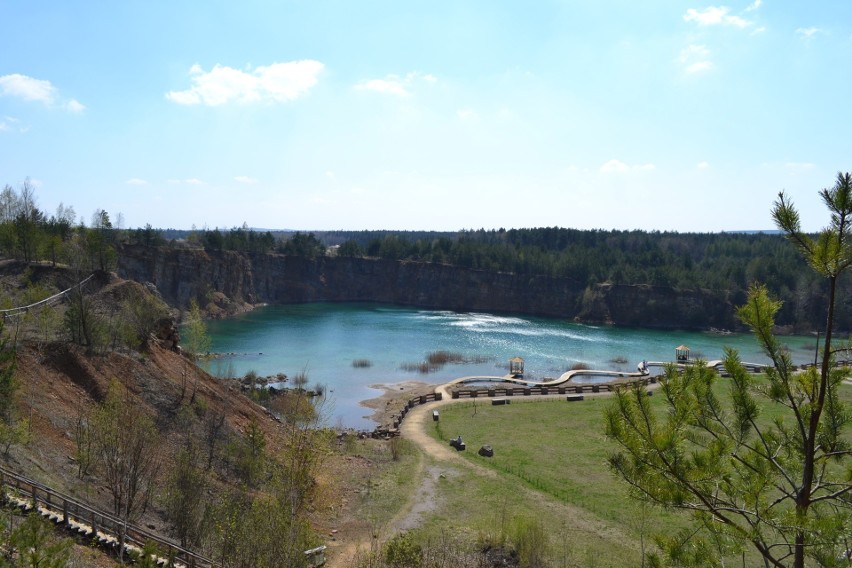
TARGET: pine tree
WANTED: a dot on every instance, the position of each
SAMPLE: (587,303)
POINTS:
(768,466)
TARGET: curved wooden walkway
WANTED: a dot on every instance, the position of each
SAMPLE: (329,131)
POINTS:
(563,378)
(442,391)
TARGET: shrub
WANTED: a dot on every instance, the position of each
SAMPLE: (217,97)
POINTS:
(402,552)
(444,357)
(398,447)
(530,539)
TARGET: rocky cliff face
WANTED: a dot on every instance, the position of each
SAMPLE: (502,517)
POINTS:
(657,306)
(180,275)
(231,280)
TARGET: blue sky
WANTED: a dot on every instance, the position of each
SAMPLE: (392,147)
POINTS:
(441,115)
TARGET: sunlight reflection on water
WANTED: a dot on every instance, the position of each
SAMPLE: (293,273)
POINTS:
(325,339)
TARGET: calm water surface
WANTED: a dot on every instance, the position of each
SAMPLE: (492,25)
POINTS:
(324,339)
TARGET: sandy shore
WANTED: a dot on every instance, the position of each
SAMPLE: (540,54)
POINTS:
(394,397)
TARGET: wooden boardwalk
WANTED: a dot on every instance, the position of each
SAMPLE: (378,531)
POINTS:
(106,530)
(559,386)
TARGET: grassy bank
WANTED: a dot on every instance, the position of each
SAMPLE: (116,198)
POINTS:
(558,450)
(551,446)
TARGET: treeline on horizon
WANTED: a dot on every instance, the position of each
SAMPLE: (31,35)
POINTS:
(724,263)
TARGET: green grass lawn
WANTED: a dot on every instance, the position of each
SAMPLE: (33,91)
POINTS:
(559,449)
(553,446)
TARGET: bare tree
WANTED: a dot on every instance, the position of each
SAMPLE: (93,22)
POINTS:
(214,432)
(184,497)
(127,448)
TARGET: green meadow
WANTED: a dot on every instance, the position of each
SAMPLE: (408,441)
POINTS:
(558,450)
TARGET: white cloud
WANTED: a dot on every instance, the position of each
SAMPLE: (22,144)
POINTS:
(699,66)
(695,58)
(34,90)
(467,114)
(614,166)
(10,123)
(617,166)
(136,181)
(27,88)
(808,33)
(245,179)
(754,5)
(75,106)
(7,122)
(704,165)
(505,113)
(394,84)
(715,16)
(279,82)
(184,97)
(388,86)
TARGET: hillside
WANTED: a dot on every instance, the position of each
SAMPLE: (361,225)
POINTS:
(242,456)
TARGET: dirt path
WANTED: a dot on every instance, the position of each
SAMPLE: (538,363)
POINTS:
(425,498)
(414,429)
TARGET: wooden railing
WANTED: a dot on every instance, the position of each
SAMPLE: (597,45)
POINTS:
(13,312)
(566,389)
(108,530)
(396,419)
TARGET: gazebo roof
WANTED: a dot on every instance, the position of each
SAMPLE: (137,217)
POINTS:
(682,348)
(517,359)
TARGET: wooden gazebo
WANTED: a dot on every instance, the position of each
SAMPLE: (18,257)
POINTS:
(516,366)
(682,354)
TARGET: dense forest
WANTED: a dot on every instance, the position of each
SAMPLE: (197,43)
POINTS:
(725,263)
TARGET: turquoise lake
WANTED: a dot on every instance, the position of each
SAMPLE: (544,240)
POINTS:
(324,339)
